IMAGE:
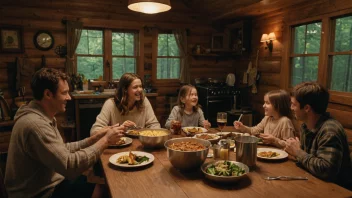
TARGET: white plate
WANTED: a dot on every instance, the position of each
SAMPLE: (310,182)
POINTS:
(282,153)
(214,137)
(128,141)
(223,133)
(114,158)
(203,130)
(128,132)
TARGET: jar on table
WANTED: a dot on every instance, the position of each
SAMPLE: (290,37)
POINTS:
(224,150)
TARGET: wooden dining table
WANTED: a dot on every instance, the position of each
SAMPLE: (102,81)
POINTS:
(161,179)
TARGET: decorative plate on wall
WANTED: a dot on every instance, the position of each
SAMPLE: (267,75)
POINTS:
(43,40)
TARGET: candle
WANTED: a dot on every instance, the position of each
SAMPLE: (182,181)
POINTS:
(224,154)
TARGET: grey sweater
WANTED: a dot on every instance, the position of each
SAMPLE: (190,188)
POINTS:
(38,159)
(187,120)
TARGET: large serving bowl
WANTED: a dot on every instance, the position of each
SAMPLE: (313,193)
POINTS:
(224,179)
(187,160)
(154,138)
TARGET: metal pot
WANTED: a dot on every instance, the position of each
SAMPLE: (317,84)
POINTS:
(246,150)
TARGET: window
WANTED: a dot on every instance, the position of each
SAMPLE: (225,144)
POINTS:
(341,55)
(306,50)
(123,54)
(168,58)
(90,54)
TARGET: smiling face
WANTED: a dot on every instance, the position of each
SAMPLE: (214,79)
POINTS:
(298,112)
(191,99)
(135,91)
(60,98)
(268,107)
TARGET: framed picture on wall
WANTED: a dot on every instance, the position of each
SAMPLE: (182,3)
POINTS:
(219,42)
(11,39)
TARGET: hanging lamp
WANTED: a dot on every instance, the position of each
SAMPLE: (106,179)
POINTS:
(149,6)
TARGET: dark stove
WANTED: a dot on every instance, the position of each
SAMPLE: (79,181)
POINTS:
(218,98)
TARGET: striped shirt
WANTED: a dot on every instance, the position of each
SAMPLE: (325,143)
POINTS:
(327,152)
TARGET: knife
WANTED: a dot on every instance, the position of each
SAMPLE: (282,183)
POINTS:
(286,178)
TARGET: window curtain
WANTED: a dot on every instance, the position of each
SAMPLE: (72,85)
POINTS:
(74,30)
(181,40)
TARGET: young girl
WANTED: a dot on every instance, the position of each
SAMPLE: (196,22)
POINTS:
(187,111)
(276,124)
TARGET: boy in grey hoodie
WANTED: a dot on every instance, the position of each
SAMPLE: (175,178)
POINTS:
(38,159)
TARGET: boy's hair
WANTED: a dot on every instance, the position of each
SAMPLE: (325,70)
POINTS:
(312,94)
(121,97)
(46,78)
(281,102)
(183,93)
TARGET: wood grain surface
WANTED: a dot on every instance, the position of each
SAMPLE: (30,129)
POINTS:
(161,179)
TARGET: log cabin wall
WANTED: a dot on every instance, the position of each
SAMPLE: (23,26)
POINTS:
(37,15)
(272,66)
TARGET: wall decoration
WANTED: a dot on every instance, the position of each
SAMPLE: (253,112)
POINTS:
(11,38)
(43,40)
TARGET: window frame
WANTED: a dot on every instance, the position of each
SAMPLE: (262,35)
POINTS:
(107,50)
(162,82)
(136,50)
(325,55)
(88,55)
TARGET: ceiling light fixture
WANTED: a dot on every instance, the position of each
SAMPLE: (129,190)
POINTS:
(149,6)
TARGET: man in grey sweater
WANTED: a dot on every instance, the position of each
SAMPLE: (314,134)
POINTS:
(38,159)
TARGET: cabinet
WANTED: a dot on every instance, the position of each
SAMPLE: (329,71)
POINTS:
(239,37)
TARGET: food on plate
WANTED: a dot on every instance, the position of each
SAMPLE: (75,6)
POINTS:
(121,141)
(268,154)
(206,136)
(225,168)
(131,159)
(153,133)
(133,132)
(193,130)
(187,146)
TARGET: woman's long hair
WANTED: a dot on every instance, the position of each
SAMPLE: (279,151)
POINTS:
(281,102)
(183,93)
(121,97)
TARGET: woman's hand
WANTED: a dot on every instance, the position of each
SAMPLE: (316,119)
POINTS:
(238,125)
(206,124)
(268,138)
(129,124)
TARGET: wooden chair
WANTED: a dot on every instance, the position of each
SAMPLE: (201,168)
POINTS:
(3,192)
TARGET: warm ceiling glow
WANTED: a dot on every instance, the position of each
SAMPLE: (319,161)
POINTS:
(149,6)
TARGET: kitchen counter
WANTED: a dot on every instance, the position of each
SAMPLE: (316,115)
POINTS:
(75,95)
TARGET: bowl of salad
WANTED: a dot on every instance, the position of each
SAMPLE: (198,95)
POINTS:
(224,171)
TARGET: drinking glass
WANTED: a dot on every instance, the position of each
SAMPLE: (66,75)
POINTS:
(221,120)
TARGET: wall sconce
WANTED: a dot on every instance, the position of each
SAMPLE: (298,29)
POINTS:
(268,39)
(149,6)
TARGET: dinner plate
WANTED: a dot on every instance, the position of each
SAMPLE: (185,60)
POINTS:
(282,153)
(199,129)
(114,158)
(128,141)
(213,139)
(128,133)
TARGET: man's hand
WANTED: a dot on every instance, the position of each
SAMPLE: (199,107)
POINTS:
(293,146)
(114,134)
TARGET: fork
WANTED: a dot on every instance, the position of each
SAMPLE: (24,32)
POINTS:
(134,127)
(285,178)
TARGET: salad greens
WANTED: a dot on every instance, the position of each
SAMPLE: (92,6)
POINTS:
(225,168)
